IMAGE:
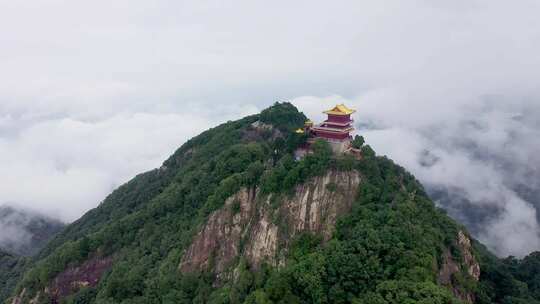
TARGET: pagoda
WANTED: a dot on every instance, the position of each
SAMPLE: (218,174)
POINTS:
(336,129)
(338,125)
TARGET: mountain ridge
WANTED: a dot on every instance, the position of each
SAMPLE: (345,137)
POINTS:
(392,245)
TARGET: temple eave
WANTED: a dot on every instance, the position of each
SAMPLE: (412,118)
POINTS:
(345,123)
(333,130)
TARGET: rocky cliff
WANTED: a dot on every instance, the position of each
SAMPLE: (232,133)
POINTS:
(259,228)
(451,271)
(74,278)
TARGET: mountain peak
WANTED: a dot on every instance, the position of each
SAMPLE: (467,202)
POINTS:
(234,217)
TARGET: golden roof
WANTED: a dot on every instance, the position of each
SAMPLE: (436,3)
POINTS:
(308,122)
(299,131)
(340,109)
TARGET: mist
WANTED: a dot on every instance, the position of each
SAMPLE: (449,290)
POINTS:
(482,166)
(24,232)
(92,93)
(14,236)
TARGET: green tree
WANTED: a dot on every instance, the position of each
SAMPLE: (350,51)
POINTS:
(358,142)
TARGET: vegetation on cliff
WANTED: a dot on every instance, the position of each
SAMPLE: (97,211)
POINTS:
(388,249)
(508,281)
(385,251)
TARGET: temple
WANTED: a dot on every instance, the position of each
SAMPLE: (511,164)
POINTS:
(336,129)
(338,125)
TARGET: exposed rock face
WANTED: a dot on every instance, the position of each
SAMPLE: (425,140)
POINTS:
(219,239)
(18,299)
(473,268)
(260,228)
(71,280)
(74,278)
(450,268)
(258,130)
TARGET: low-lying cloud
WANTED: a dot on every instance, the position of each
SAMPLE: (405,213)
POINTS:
(65,166)
(481,165)
(92,93)
(14,236)
(24,232)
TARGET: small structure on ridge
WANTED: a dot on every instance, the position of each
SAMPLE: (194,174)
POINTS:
(336,129)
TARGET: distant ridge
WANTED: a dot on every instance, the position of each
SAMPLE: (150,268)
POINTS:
(24,232)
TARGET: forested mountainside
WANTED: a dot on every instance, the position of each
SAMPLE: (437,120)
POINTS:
(232,217)
(11,268)
(24,232)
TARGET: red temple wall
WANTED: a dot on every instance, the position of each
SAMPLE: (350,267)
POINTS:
(339,118)
(331,135)
(335,126)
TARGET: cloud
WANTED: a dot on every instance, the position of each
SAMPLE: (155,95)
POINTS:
(92,93)
(482,156)
(24,232)
(14,236)
(65,166)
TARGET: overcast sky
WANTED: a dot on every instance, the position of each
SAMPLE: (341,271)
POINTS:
(94,92)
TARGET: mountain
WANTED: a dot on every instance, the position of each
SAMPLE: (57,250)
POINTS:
(11,268)
(233,217)
(25,232)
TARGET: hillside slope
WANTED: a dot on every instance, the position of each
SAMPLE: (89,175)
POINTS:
(11,268)
(231,217)
(23,233)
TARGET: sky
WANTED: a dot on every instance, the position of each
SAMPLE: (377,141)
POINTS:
(94,92)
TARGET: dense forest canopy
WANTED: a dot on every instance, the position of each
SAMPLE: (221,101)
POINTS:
(11,268)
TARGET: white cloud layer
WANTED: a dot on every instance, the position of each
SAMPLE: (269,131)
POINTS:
(487,156)
(92,93)
(65,166)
